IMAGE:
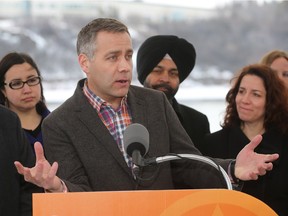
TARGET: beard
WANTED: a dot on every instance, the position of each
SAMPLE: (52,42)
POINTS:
(164,87)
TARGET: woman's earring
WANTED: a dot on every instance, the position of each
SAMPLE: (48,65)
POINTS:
(6,102)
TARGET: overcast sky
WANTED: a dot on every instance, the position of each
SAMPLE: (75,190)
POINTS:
(208,4)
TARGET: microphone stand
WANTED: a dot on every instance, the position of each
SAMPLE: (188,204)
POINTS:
(206,160)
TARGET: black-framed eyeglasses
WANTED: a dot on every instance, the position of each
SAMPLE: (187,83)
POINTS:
(18,84)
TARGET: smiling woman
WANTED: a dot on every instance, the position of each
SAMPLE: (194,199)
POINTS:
(257,104)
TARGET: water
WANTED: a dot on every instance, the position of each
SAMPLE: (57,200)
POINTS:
(213,109)
(209,100)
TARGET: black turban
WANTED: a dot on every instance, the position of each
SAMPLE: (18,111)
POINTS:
(153,50)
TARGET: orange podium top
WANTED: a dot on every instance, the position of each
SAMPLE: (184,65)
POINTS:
(215,202)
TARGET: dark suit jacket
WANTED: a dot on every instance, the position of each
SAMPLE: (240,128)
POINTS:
(194,122)
(15,193)
(88,156)
(271,188)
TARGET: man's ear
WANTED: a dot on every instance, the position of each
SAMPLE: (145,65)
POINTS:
(84,62)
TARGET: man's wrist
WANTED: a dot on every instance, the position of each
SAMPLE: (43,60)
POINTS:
(231,173)
(61,189)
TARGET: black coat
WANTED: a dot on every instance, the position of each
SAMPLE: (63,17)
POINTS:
(194,122)
(15,193)
(271,188)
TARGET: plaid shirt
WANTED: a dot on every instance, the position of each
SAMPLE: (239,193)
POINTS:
(115,121)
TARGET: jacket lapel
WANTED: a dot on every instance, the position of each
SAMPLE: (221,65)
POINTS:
(137,106)
(99,133)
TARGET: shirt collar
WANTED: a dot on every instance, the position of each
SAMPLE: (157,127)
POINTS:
(98,102)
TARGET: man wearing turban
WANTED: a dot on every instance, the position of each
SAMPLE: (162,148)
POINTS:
(163,62)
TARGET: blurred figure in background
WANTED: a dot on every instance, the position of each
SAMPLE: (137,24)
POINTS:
(15,192)
(257,104)
(163,62)
(278,61)
(22,92)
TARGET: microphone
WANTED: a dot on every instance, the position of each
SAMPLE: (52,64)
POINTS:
(136,142)
(136,145)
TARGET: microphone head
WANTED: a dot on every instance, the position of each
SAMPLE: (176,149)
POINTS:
(136,137)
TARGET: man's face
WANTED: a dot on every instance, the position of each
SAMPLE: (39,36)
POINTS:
(109,73)
(164,77)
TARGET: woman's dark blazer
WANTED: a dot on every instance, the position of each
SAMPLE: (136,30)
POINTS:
(15,193)
(271,188)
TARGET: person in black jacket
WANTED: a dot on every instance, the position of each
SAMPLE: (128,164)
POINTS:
(15,192)
(163,62)
(257,103)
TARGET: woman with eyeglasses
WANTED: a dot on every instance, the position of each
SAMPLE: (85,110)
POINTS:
(22,92)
